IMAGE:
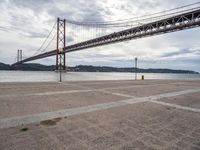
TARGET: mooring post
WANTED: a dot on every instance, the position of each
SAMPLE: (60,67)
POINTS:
(136,68)
(60,76)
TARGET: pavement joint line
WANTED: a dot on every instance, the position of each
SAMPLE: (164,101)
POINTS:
(47,93)
(172,94)
(73,84)
(76,91)
(36,118)
(117,81)
(33,86)
(116,93)
(66,92)
(59,92)
(79,86)
(177,106)
(131,86)
(100,82)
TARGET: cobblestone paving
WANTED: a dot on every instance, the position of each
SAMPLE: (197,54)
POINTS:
(142,126)
(24,105)
(189,100)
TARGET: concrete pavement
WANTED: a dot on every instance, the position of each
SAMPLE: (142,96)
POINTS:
(151,114)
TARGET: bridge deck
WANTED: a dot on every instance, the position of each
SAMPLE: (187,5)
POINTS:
(151,114)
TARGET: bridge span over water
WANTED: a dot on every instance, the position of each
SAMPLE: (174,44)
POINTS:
(169,21)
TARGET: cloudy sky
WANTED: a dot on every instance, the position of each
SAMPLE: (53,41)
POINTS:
(24,24)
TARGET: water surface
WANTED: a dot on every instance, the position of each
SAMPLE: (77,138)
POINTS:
(45,76)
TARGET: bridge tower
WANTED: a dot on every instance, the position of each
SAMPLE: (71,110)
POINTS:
(60,55)
(19,55)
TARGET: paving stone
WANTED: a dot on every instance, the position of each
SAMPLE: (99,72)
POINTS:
(77,146)
(120,135)
(82,135)
(104,142)
(50,144)
(183,145)
(149,140)
(66,139)
(192,140)
(94,130)
(139,145)
(38,135)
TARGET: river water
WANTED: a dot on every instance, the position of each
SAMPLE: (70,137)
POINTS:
(45,76)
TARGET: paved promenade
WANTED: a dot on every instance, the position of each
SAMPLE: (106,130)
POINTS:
(100,115)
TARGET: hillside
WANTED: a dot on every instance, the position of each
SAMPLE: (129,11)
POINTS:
(84,68)
(4,66)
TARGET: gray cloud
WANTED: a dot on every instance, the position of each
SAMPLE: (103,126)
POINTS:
(180,52)
(4,28)
(39,5)
(36,35)
(69,39)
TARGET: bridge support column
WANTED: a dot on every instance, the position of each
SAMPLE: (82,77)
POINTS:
(60,55)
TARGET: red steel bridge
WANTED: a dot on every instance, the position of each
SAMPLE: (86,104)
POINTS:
(173,20)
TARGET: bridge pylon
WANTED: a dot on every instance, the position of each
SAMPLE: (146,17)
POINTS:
(19,55)
(60,54)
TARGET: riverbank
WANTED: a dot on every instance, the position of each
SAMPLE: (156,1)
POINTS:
(149,114)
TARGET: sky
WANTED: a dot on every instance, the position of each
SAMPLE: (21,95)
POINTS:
(24,24)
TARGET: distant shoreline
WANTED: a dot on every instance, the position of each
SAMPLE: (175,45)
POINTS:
(86,68)
(97,72)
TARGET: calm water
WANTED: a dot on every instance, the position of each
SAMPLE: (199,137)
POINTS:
(29,76)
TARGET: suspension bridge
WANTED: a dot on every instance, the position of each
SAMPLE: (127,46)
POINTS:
(70,36)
